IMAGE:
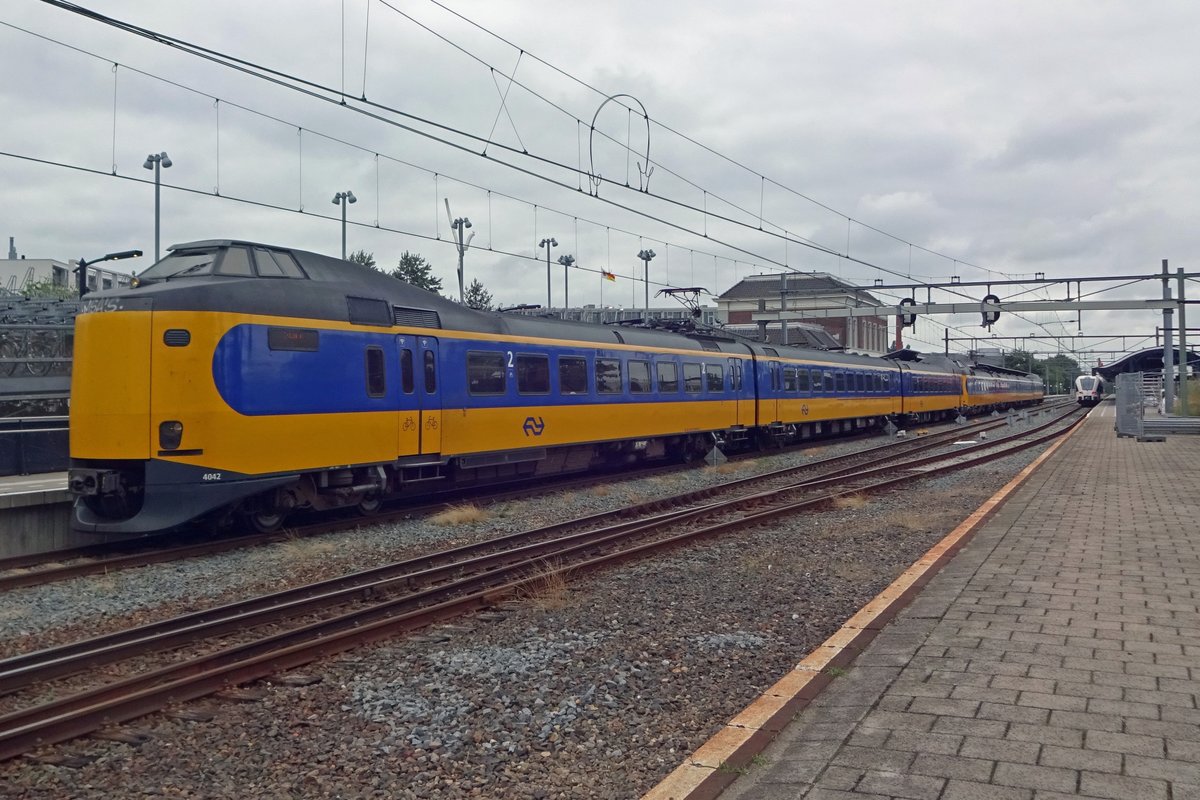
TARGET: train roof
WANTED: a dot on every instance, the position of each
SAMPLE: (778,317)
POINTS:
(316,286)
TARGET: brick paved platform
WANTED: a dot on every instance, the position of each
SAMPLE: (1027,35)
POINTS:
(1057,655)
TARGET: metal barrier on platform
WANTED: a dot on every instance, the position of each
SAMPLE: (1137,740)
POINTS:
(29,446)
(1132,421)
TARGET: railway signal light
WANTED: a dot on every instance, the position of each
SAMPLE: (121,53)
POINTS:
(989,316)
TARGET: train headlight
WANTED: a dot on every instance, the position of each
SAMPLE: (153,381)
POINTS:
(170,434)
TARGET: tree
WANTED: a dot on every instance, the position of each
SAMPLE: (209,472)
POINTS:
(363,257)
(415,270)
(48,290)
(478,297)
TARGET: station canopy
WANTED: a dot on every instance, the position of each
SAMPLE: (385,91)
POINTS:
(1149,360)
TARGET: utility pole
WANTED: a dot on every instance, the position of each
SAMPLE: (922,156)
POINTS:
(548,243)
(456,228)
(783,330)
(1168,370)
(1184,370)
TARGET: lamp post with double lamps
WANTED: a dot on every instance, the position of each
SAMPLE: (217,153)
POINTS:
(566,261)
(157,162)
(343,199)
(646,255)
(548,243)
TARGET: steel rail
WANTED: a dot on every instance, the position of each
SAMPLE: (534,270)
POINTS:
(21,670)
(136,696)
(149,552)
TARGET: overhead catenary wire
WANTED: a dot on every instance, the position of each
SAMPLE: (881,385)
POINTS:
(555,68)
(300,131)
(319,92)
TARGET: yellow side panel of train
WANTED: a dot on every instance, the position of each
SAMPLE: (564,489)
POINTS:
(110,386)
(476,430)
(183,390)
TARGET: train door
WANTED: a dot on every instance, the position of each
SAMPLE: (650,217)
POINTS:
(411,391)
(430,399)
(769,381)
(743,391)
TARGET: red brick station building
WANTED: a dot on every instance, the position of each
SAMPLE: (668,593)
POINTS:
(799,291)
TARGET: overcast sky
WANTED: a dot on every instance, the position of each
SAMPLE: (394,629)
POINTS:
(1008,138)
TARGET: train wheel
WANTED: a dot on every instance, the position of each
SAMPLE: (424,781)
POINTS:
(369,505)
(265,521)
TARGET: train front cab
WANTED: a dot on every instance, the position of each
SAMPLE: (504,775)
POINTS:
(141,405)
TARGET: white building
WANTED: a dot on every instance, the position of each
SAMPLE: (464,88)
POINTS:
(16,273)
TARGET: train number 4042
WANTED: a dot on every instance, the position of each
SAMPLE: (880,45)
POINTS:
(211,476)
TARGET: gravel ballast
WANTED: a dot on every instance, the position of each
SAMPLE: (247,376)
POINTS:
(596,686)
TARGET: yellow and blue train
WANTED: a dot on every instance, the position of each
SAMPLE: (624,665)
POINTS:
(244,379)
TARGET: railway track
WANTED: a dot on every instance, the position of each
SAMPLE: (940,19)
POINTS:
(336,615)
(42,568)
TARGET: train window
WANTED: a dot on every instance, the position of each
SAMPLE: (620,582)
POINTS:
(878,382)
(608,376)
(829,382)
(716,377)
(485,373)
(265,266)
(789,379)
(887,382)
(376,382)
(802,380)
(693,380)
(735,371)
(840,377)
(572,375)
(860,381)
(817,381)
(668,376)
(406,371)
(533,374)
(178,264)
(276,265)
(368,311)
(639,377)
(430,373)
(236,262)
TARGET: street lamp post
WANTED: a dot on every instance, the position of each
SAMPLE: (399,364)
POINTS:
(344,199)
(646,255)
(81,267)
(566,261)
(457,225)
(155,161)
(548,243)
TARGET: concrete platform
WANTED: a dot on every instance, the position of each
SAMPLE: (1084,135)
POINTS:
(35,514)
(1055,654)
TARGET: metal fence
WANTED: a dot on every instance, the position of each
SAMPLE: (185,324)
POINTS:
(37,338)
(1135,394)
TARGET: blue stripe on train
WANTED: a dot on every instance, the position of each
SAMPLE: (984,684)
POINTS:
(256,380)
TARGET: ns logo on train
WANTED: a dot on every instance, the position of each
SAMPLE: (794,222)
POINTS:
(534,426)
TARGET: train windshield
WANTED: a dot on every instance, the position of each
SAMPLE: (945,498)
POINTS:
(177,265)
(1087,384)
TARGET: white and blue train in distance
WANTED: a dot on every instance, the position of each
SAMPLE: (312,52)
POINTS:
(1089,390)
